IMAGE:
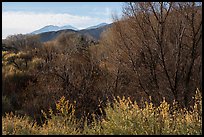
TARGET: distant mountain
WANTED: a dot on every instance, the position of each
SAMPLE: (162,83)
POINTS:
(67,27)
(48,36)
(97,26)
(50,28)
(94,33)
(46,29)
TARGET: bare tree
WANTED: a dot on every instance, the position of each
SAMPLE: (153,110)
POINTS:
(161,41)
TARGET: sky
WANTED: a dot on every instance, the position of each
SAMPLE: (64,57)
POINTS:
(26,17)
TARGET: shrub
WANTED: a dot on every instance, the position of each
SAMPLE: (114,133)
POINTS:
(124,117)
(16,125)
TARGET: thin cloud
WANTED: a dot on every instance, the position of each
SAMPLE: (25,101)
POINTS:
(26,22)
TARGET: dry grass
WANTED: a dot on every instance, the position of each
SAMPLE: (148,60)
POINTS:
(123,118)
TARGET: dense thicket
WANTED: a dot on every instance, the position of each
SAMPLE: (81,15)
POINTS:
(154,50)
(157,50)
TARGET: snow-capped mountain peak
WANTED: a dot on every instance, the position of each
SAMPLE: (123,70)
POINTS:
(49,28)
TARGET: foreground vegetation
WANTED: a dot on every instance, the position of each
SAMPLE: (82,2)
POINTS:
(122,118)
(145,53)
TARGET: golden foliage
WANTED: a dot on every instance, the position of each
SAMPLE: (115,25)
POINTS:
(123,118)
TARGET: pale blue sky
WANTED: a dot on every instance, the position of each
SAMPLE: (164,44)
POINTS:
(78,8)
(25,17)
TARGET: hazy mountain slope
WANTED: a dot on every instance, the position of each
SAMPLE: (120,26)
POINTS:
(97,26)
(51,28)
(48,36)
(94,33)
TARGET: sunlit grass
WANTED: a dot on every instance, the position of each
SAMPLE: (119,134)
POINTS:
(123,118)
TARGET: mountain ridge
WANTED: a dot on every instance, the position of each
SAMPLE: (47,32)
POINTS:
(97,26)
(50,28)
(95,33)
